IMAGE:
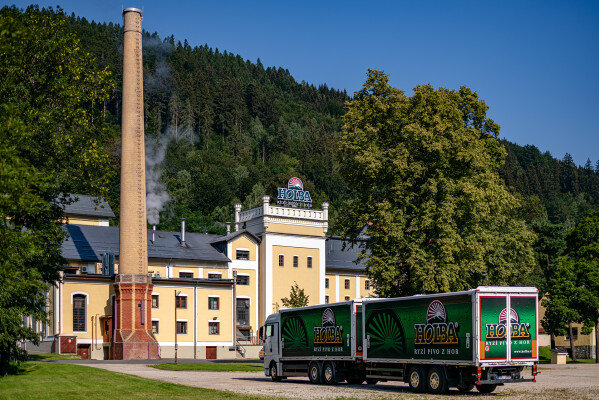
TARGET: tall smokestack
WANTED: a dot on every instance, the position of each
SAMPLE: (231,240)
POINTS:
(133,337)
(133,254)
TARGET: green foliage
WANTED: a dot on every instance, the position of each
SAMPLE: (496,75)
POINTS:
(425,174)
(52,140)
(573,284)
(297,297)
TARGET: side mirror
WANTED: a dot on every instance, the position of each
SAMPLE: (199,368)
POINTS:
(261,333)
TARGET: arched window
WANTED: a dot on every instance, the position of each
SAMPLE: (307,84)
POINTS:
(79,301)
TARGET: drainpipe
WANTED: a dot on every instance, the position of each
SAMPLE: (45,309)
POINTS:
(195,324)
(235,311)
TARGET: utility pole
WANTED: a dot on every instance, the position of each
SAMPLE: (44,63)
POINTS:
(176,333)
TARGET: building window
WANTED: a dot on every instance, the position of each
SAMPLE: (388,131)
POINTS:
(243,312)
(154,327)
(326,299)
(367,284)
(295,261)
(326,283)
(346,298)
(215,276)
(213,303)
(155,301)
(309,262)
(182,327)
(79,313)
(181,301)
(243,280)
(281,260)
(242,255)
(347,283)
(214,328)
(574,333)
(185,274)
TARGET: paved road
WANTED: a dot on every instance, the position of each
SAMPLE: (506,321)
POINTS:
(579,381)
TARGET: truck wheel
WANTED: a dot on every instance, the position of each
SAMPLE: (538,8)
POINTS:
(273,372)
(466,387)
(354,380)
(436,383)
(417,379)
(328,373)
(314,373)
(486,388)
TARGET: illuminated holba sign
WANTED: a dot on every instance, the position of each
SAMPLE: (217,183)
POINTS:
(294,195)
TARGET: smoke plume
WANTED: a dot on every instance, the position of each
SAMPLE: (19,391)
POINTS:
(156,195)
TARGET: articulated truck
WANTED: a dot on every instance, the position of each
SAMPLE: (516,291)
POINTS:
(480,338)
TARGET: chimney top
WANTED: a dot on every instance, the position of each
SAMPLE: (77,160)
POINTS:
(131,9)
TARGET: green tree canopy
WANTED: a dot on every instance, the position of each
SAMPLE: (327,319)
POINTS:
(425,174)
(51,142)
(297,297)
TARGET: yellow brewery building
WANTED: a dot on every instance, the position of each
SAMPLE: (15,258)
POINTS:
(210,292)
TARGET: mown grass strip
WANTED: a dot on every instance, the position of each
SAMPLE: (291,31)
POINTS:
(45,380)
(224,367)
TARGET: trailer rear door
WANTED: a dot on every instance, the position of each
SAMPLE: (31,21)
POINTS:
(508,326)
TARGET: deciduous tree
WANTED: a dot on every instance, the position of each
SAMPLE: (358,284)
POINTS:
(424,169)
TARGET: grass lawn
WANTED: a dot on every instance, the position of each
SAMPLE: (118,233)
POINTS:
(53,356)
(65,381)
(211,367)
(545,357)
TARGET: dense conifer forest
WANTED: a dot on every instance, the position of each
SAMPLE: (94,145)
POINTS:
(233,130)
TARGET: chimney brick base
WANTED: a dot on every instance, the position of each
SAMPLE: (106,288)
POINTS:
(133,338)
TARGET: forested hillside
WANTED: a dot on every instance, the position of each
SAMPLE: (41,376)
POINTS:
(232,128)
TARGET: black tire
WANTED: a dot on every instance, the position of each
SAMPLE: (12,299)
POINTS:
(329,375)
(465,388)
(272,371)
(436,381)
(417,379)
(486,388)
(354,379)
(314,373)
(372,381)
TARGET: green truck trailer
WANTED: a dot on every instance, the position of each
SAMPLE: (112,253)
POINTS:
(478,338)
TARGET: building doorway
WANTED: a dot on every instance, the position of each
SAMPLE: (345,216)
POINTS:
(210,353)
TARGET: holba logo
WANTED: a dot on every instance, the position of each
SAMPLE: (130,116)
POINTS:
(328,333)
(518,330)
(295,183)
(437,329)
(294,195)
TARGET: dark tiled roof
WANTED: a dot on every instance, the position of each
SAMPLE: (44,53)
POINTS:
(89,242)
(344,259)
(88,205)
(233,235)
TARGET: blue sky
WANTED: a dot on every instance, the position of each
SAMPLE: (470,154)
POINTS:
(536,64)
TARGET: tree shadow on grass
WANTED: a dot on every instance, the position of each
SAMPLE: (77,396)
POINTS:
(20,368)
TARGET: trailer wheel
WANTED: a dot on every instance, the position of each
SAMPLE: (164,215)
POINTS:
(436,382)
(417,379)
(486,388)
(328,373)
(314,373)
(273,372)
(354,379)
(371,381)
(466,387)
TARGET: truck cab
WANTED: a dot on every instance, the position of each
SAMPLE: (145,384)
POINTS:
(272,346)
